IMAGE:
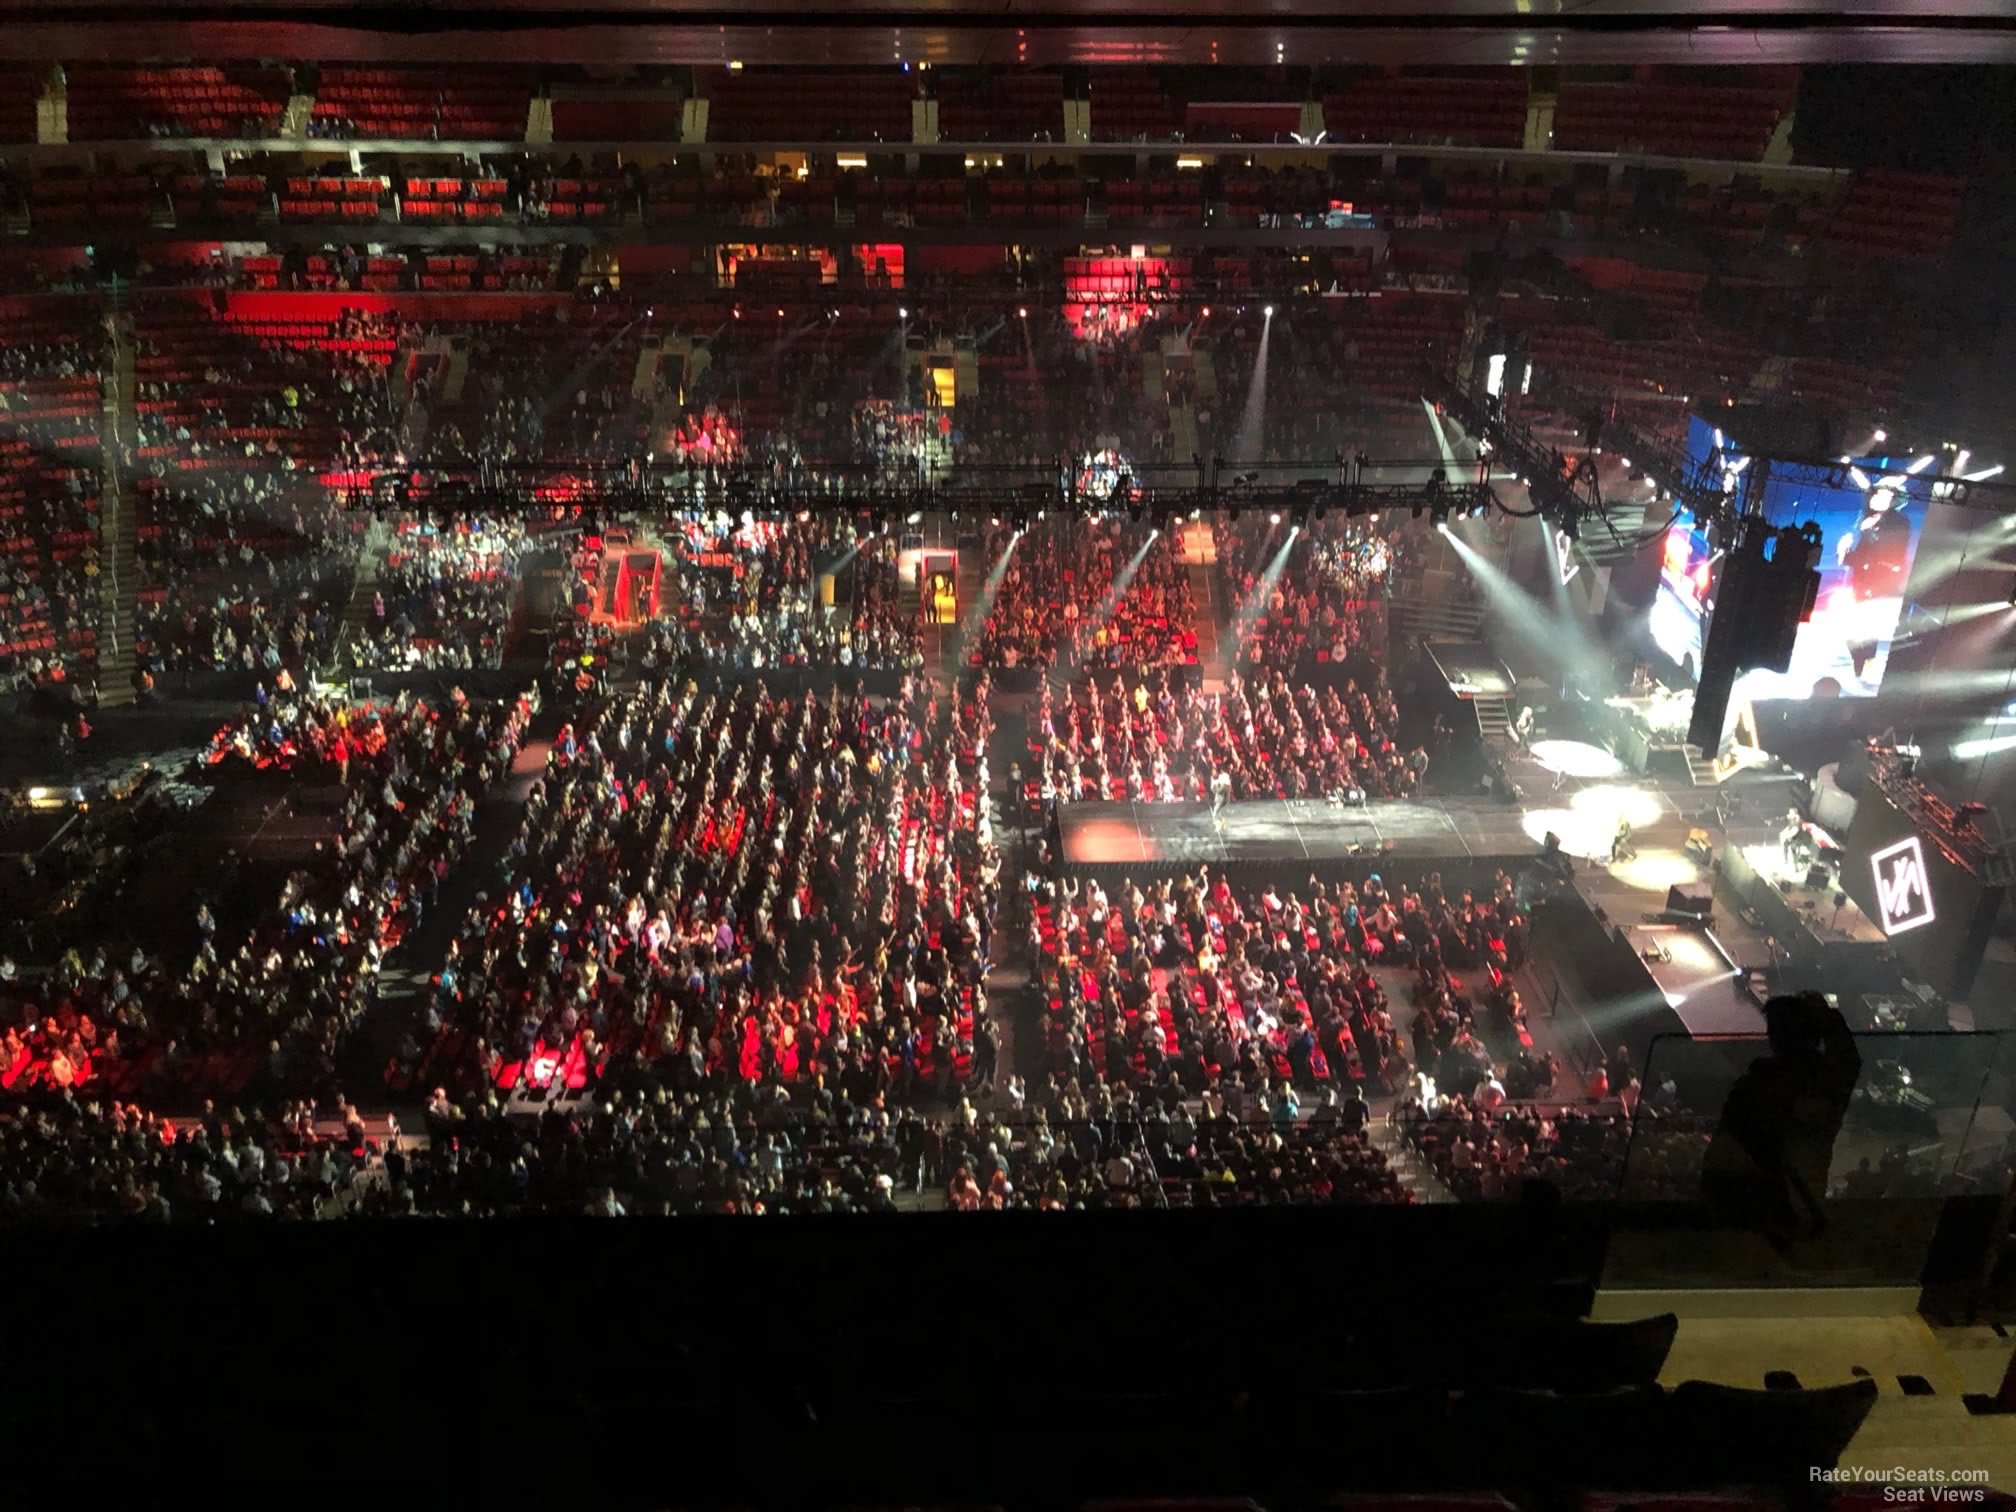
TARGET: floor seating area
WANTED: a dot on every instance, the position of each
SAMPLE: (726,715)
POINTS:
(718,763)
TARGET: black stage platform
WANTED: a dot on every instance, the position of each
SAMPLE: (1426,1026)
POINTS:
(1299,831)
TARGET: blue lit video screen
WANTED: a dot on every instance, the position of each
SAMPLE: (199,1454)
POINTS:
(1869,528)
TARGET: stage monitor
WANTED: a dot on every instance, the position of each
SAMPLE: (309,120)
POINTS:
(1869,526)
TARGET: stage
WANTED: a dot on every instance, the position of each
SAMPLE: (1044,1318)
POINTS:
(1296,831)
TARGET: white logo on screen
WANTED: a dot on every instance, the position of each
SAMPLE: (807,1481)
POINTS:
(1564,557)
(1903,891)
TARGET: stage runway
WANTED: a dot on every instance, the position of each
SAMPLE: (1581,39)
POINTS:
(1294,830)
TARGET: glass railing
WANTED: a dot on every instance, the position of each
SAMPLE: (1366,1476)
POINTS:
(1749,1167)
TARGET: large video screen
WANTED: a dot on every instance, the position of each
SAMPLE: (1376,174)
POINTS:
(1869,527)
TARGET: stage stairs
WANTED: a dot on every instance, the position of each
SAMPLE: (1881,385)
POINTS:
(1623,539)
(1494,719)
(1700,769)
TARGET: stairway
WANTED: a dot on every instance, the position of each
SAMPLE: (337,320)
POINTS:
(1205,370)
(1183,442)
(118,521)
(457,374)
(1200,555)
(1433,619)
(953,643)
(1622,539)
(644,376)
(371,556)
(294,120)
(1494,719)
(1406,1163)
(1700,769)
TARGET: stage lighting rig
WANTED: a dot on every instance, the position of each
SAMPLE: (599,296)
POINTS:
(1563,495)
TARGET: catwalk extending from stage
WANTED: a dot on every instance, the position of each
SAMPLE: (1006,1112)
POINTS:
(1293,830)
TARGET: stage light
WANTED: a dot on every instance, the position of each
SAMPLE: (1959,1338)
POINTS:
(1206,312)
(902,313)
(1442,526)
(1022,312)
(1268,311)
(1881,435)
(917,519)
(780,314)
(1575,758)
(1274,519)
(1656,870)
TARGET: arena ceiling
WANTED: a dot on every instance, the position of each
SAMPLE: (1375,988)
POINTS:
(1034,32)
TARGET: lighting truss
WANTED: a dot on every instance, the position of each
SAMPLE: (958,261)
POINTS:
(653,486)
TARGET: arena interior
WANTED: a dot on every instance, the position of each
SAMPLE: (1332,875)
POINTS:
(1290,729)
